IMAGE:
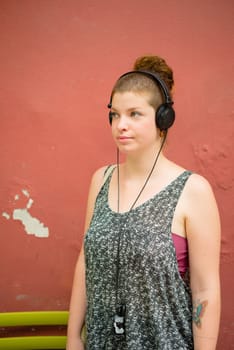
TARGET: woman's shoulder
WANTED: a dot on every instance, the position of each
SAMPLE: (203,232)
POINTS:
(100,175)
(95,186)
(196,182)
(197,190)
(198,193)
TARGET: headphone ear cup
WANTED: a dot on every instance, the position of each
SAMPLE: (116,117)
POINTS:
(110,118)
(165,117)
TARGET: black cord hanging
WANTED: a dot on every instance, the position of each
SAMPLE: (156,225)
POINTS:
(119,318)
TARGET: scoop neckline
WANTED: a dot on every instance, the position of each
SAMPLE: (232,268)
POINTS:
(138,207)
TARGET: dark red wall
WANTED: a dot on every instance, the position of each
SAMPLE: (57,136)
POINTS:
(58,62)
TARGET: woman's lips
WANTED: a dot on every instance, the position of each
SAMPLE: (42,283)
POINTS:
(124,138)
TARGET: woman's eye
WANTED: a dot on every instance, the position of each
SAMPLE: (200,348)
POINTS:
(113,115)
(135,114)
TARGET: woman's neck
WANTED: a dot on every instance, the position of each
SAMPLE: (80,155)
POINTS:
(140,166)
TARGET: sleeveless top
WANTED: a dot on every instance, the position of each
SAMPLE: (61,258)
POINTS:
(158,300)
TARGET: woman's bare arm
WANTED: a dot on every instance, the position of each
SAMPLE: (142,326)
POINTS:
(203,233)
(77,308)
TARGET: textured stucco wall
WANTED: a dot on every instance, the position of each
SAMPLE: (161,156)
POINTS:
(59,60)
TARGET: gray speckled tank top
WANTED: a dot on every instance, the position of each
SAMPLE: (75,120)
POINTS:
(158,300)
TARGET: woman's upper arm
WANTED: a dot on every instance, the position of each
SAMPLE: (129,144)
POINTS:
(203,234)
(95,186)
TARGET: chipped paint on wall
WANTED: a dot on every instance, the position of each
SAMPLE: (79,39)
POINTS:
(26,193)
(6,215)
(32,225)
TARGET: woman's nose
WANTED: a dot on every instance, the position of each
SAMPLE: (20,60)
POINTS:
(122,123)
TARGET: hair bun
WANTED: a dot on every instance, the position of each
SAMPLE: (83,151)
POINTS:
(156,64)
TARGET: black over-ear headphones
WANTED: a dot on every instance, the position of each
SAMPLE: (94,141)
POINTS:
(165,114)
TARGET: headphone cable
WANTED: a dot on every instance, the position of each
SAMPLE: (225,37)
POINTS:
(119,302)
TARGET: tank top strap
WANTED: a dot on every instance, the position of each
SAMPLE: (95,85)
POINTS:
(108,171)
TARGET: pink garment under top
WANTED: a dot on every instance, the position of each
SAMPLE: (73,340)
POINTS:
(181,247)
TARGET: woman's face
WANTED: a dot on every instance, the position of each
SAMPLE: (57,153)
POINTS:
(133,122)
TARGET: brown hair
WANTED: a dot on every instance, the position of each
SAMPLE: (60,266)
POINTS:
(140,83)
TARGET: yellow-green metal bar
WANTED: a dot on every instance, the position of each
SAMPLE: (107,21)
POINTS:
(33,318)
(33,343)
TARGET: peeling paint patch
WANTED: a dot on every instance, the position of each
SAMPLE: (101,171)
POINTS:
(5,215)
(26,193)
(29,204)
(31,224)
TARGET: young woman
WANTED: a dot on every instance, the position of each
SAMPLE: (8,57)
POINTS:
(147,277)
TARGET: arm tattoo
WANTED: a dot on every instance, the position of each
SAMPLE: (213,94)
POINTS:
(198,311)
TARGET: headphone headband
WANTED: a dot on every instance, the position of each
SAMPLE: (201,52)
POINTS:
(157,79)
